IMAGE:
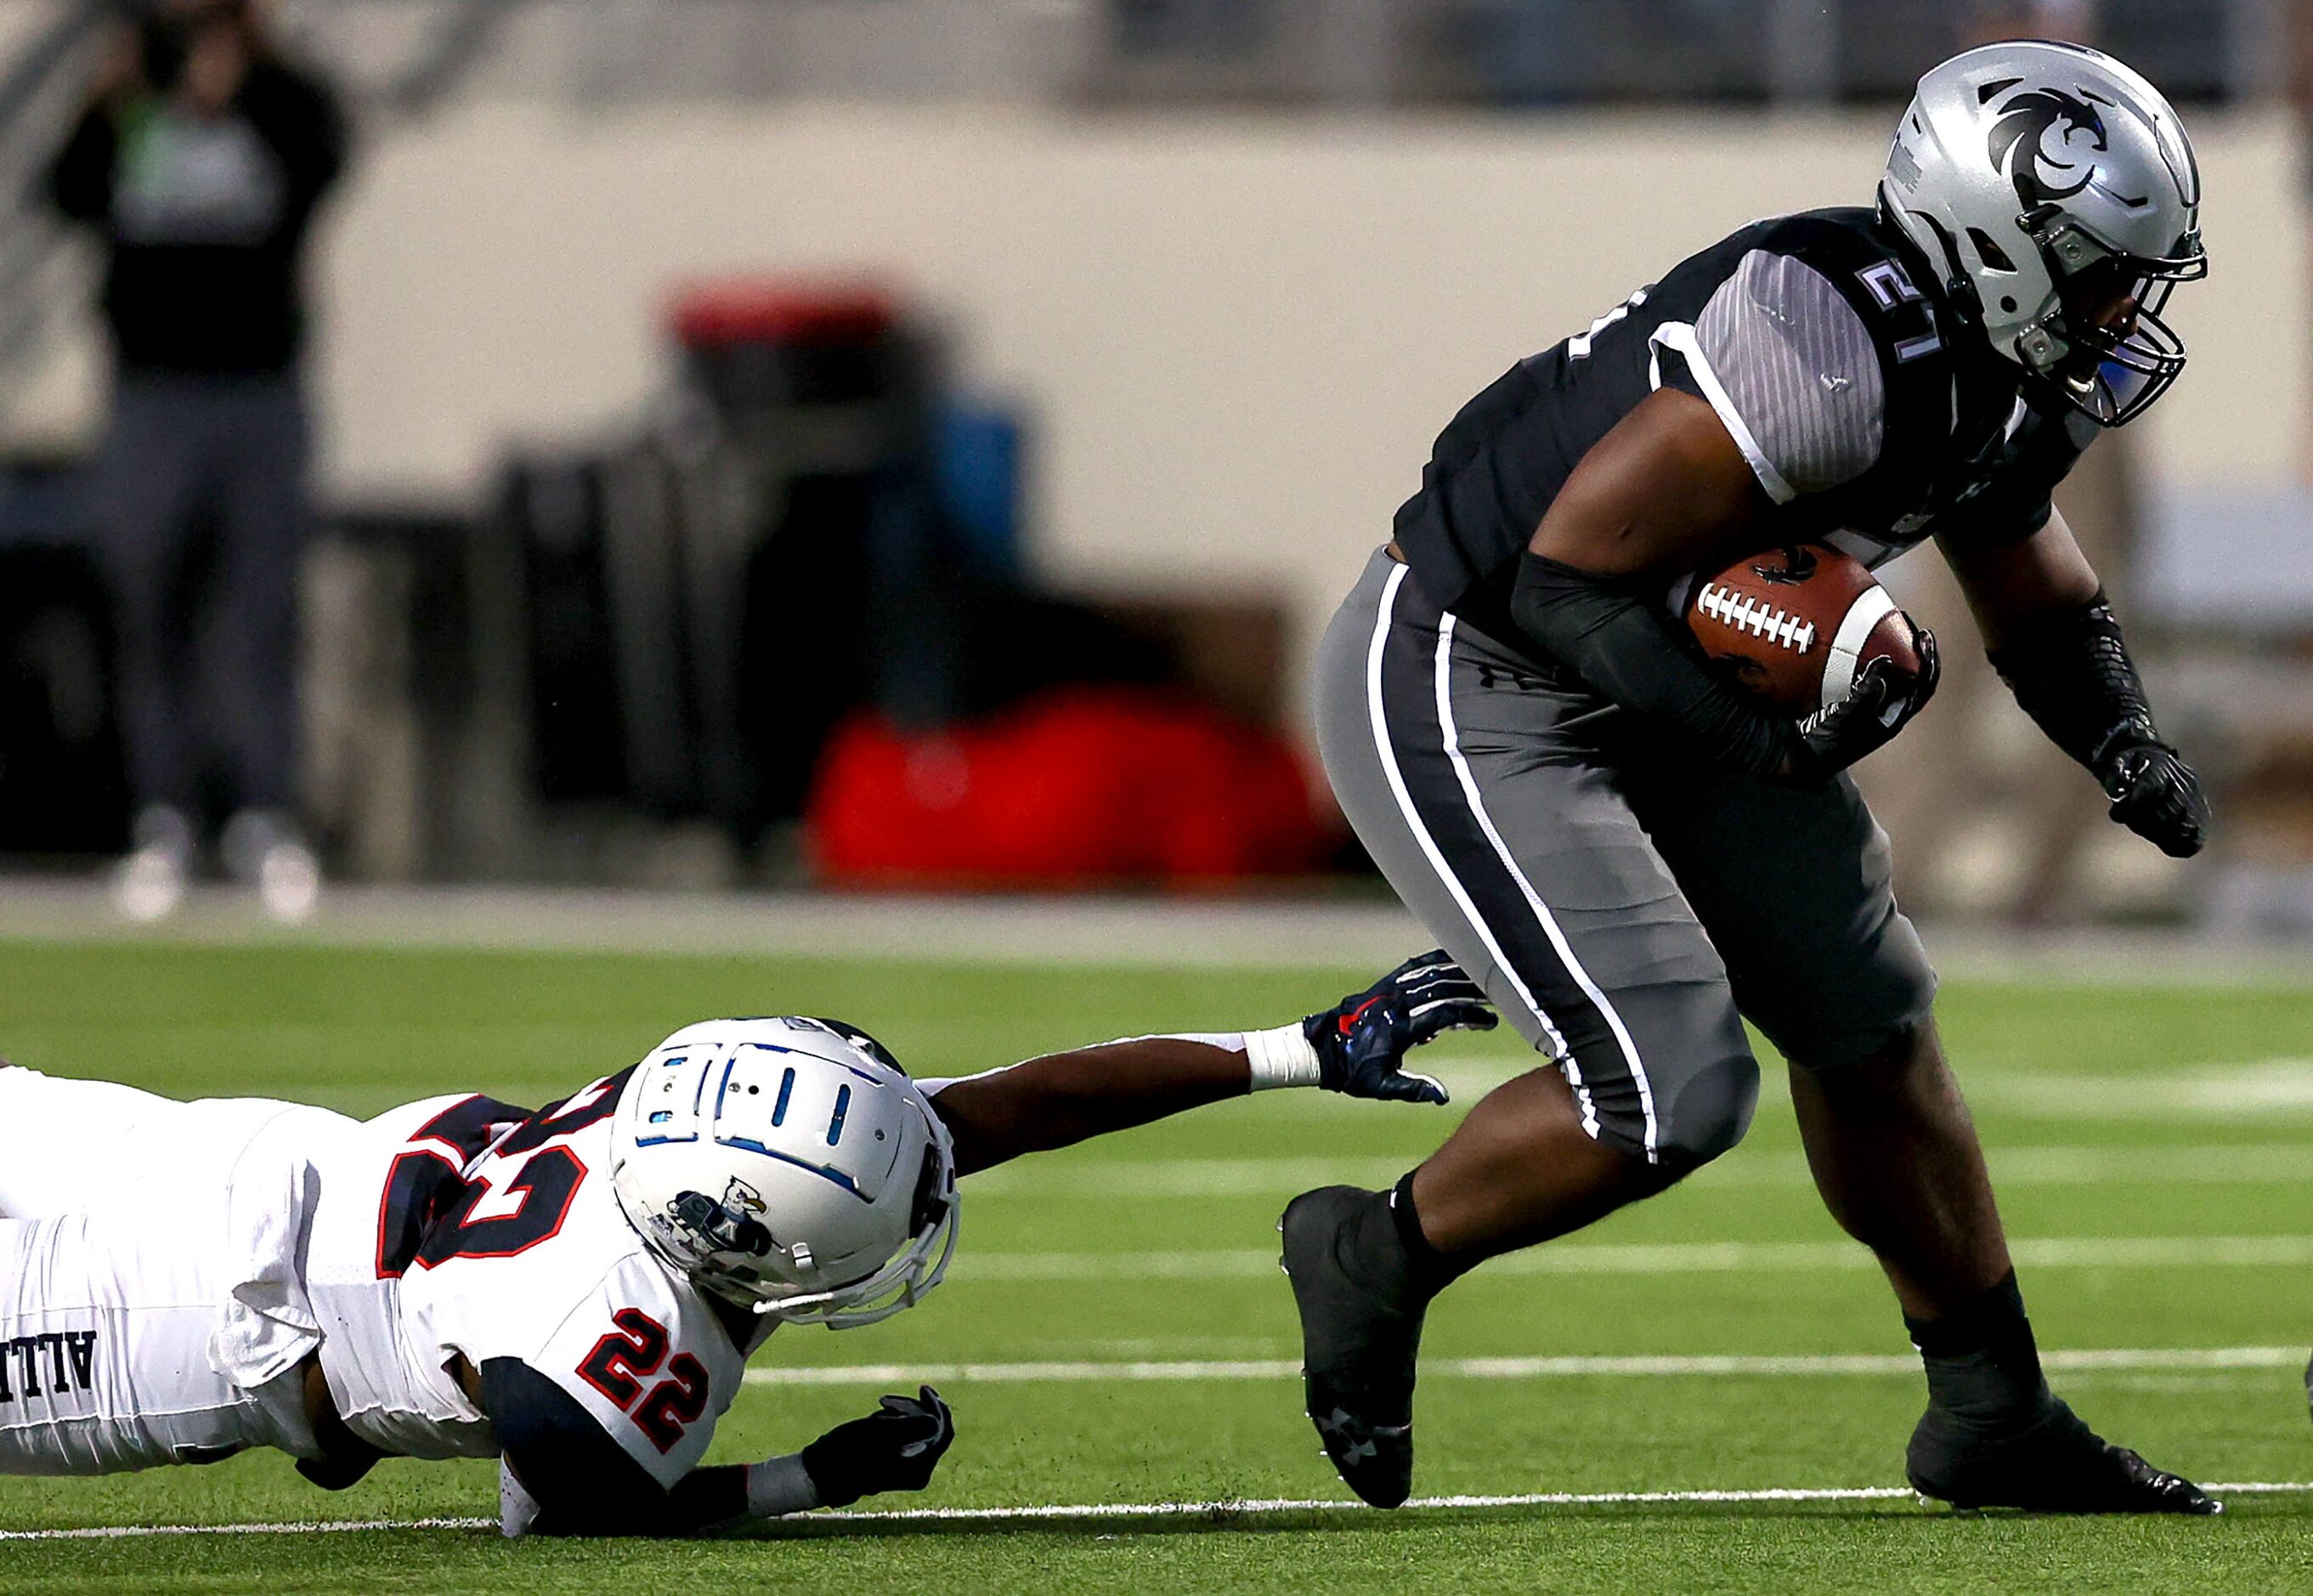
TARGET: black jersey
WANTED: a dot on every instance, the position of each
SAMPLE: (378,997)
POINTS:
(1810,336)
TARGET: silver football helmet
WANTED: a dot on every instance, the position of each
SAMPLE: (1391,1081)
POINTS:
(788,1165)
(2056,193)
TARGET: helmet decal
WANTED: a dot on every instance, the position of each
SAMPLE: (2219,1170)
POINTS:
(2044,138)
(729,1226)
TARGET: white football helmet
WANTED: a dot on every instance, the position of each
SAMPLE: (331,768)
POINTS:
(787,1164)
(2041,179)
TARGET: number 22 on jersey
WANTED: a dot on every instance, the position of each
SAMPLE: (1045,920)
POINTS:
(626,1357)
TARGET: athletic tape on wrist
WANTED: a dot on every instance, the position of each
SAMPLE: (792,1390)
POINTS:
(1281,1057)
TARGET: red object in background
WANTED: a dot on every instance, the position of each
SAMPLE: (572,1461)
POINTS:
(779,311)
(1083,787)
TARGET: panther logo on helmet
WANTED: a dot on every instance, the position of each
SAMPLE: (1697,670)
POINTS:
(2038,164)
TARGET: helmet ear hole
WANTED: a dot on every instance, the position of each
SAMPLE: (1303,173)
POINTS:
(1989,250)
(929,1200)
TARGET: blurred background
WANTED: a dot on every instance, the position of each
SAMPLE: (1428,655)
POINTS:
(876,445)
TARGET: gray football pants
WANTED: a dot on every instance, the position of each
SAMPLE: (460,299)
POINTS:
(226,456)
(1622,905)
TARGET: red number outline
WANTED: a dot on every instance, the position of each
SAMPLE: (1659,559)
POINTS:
(620,1363)
(674,1404)
(479,1237)
(422,1214)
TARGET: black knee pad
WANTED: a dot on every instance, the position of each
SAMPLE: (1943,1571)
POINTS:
(1710,1114)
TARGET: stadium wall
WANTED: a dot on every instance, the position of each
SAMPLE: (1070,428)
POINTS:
(1237,333)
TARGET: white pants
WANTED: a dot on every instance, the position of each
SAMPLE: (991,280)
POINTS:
(115,1269)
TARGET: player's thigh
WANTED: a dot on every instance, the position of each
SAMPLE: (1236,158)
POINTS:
(1469,781)
(50,1125)
(1796,888)
(105,1325)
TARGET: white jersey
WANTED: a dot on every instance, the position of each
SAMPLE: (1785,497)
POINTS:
(149,1297)
(458,1227)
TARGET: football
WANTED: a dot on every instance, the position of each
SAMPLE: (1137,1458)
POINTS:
(1793,626)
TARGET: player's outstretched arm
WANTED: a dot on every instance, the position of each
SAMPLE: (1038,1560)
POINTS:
(2054,639)
(1358,1047)
(562,1474)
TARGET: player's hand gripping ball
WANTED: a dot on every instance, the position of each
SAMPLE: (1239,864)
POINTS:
(1811,634)
(1361,1041)
(1796,627)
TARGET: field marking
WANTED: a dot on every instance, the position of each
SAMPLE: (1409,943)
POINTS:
(1078,931)
(1126,1511)
(305,1527)
(2256,1091)
(2254,1164)
(2089,1360)
(1669,1257)
(1222,1509)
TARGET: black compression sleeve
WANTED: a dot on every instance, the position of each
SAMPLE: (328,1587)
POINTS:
(584,1482)
(1617,639)
(2072,675)
(80,178)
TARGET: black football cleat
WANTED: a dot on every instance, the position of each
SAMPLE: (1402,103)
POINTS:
(1358,1345)
(2055,1464)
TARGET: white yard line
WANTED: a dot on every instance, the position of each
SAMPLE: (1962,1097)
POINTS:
(1126,1513)
(1668,1258)
(2089,1360)
(313,1526)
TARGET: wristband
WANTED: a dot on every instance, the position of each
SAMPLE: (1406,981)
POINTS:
(1281,1057)
(780,1486)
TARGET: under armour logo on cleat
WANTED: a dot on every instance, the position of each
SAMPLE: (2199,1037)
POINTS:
(1344,1433)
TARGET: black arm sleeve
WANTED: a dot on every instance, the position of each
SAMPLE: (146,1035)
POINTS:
(2072,675)
(1618,640)
(80,178)
(583,1481)
(299,116)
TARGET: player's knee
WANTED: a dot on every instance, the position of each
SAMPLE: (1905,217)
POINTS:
(1707,1112)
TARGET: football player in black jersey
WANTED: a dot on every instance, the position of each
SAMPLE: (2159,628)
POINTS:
(1631,857)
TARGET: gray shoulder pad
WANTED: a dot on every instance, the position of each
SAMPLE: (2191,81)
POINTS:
(1793,373)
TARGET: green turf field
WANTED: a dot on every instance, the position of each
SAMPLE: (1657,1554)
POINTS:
(2155,1150)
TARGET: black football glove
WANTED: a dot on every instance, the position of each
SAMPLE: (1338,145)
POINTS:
(1880,703)
(893,1449)
(1361,1041)
(2155,794)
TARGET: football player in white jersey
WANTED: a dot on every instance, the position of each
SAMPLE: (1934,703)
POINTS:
(575,1290)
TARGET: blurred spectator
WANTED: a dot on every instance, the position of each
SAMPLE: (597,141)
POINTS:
(199,160)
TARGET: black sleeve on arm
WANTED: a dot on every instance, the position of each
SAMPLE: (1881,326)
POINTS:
(584,1482)
(80,178)
(2072,675)
(1616,638)
(298,115)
